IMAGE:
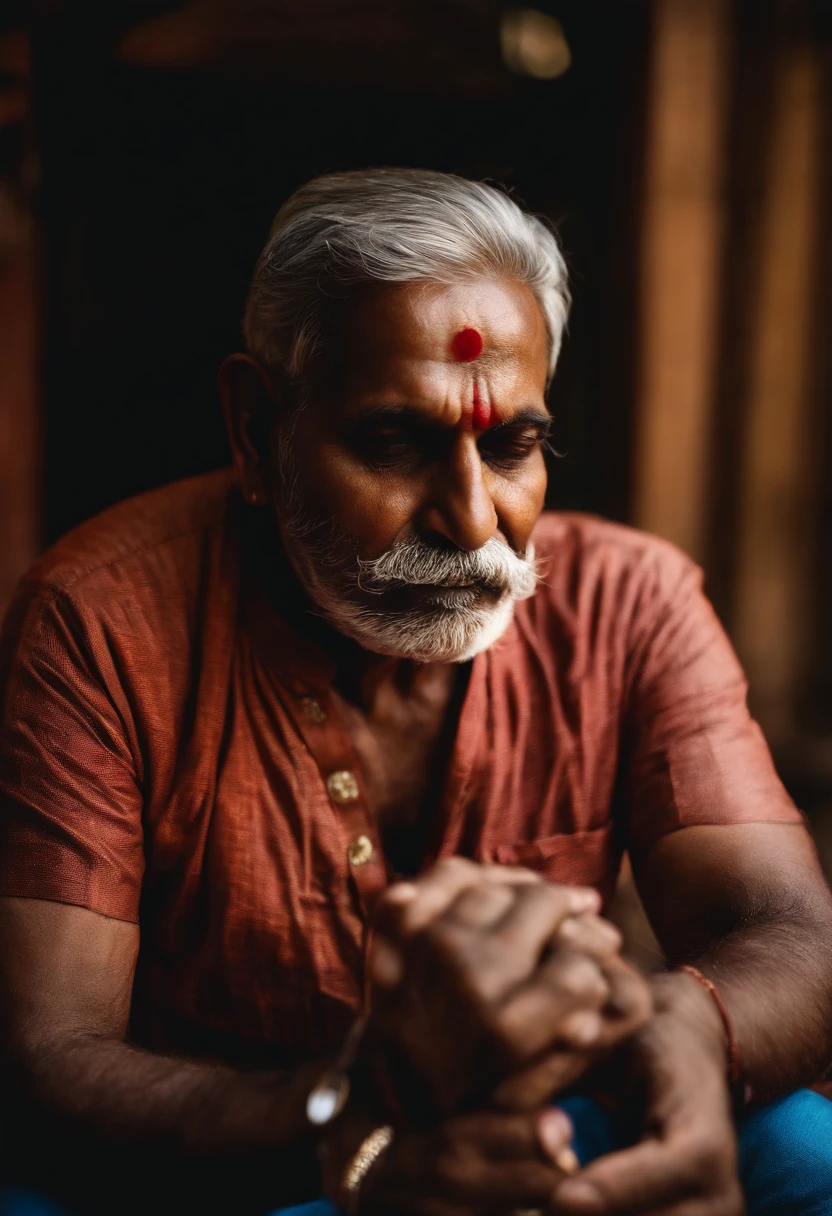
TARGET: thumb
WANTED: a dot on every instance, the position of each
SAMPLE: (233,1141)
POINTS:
(637,1179)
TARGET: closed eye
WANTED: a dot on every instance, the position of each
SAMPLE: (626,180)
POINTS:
(506,447)
(395,443)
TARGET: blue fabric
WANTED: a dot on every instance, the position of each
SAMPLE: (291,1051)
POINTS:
(785,1159)
(321,1207)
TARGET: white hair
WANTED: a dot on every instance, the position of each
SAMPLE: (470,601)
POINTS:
(391,226)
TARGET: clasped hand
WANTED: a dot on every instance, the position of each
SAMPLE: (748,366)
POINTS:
(497,987)
(499,991)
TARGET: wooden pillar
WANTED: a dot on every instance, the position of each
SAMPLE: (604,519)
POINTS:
(679,276)
(777,495)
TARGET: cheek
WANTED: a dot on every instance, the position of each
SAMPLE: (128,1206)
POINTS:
(373,507)
(518,501)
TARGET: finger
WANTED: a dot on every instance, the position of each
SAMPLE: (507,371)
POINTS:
(497,958)
(385,962)
(482,906)
(637,1180)
(554,1133)
(538,912)
(542,1136)
(408,907)
(506,1187)
(504,1137)
(559,1005)
(489,1185)
(629,1006)
(496,1161)
(485,1161)
(530,1088)
(590,933)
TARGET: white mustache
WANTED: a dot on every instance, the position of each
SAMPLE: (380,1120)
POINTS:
(413,562)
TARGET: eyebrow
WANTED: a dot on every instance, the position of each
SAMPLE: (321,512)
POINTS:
(393,414)
(529,416)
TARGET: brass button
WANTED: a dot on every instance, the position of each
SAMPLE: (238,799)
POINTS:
(342,786)
(314,710)
(360,850)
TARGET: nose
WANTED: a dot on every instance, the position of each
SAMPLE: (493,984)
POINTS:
(460,507)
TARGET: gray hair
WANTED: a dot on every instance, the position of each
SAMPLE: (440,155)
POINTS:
(391,226)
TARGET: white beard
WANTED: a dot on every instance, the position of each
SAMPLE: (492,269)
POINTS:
(439,635)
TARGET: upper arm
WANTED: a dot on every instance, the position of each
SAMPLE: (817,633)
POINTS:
(71,796)
(702,882)
(691,753)
(63,970)
(713,835)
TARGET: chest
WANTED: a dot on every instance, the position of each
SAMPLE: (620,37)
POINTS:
(403,744)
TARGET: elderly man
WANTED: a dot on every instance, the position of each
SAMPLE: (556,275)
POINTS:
(362,684)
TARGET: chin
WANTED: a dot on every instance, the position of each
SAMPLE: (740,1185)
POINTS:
(440,636)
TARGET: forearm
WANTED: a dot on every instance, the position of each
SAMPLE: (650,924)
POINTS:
(198,1126)
(748,905)
(775,979)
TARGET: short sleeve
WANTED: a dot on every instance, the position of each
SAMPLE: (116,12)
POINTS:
(692,753)
(70,795)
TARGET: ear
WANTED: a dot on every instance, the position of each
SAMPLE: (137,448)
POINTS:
(251,404)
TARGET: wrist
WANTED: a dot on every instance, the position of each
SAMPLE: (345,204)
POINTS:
(357,1177)
(682,1007)
(339,1143)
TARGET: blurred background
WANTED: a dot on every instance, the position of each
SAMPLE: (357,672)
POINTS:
(683,149)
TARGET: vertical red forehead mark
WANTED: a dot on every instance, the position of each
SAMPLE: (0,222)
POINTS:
(484,414)
(467,345)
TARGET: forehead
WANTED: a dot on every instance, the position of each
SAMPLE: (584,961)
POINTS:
(405,333)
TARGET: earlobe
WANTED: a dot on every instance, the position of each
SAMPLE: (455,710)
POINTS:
(250,401)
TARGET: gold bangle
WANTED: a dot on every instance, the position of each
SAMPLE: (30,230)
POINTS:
(358,1167)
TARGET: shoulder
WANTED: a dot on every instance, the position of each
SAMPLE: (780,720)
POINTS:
(574,549)
(138,570)
(603,581)
(134,532)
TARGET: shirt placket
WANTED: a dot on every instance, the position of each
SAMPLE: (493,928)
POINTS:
(324,733)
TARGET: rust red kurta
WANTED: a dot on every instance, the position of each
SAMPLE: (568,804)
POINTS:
(170,752)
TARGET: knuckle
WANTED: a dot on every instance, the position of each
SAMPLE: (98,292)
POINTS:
(505,1033)
(556,896)
(510,1047)
(456,867)
(592,933)
(500,873)
(445,943)
(606,931)
(578,976)
(630,996)
(509,1035)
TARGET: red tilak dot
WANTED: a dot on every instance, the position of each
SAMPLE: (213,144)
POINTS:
(467,345)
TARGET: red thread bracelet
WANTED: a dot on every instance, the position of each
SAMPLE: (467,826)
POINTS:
(731,1041)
